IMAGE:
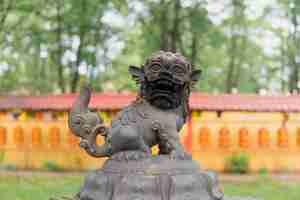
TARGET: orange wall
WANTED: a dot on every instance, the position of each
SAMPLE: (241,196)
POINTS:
(30,143)
(270,143)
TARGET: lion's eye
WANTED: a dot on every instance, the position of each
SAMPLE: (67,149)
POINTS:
(155,67)
(178,69)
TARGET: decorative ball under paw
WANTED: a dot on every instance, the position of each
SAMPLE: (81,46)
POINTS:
(152,178)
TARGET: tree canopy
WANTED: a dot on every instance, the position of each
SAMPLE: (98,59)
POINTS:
(52,46)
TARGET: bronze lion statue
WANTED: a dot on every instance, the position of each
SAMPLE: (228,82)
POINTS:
(154,118)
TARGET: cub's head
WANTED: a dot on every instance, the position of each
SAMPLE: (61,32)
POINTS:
(166,79)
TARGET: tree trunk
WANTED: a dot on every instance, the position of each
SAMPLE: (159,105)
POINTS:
(231,65)
(282,63)
(61,81)
(175,31)
(194,49)
(236,57)
(294,76)
(240,60)
(75,79)
(164,40)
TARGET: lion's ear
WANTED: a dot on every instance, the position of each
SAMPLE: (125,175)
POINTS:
(195,76)
(136,73)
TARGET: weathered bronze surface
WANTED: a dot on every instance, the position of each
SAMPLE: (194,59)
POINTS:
(154,118)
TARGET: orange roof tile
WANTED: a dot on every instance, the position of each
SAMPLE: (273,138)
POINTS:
(198,101)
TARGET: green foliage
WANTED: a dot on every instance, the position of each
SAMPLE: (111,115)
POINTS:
(38,187)
(263,188)
(263,171)
(52,166)
(237,163)
(53,46)
(2,155)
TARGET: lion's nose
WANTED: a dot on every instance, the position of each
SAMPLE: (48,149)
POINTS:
(166,74)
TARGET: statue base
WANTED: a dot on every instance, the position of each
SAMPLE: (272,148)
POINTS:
(126,176)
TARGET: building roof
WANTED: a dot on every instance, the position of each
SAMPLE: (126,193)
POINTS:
(198,101)
(239,102)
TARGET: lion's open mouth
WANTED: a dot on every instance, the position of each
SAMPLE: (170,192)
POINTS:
(164,93)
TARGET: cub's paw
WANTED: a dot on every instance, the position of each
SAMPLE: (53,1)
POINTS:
(180,155)
(130,155)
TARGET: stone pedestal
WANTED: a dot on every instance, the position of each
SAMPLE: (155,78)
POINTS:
(154,178)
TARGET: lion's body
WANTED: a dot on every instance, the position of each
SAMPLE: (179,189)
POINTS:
(134,128)
(154,118)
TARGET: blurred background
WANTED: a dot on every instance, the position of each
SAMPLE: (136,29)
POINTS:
(245,110)
(244,46)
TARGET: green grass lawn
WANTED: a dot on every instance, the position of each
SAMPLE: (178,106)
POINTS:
(43,187)
(38,187)
(264,188)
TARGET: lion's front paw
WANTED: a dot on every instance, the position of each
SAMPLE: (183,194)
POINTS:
(180,155)
(84,144)
(130,155)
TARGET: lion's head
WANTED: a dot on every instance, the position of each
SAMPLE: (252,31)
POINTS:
(166,80)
